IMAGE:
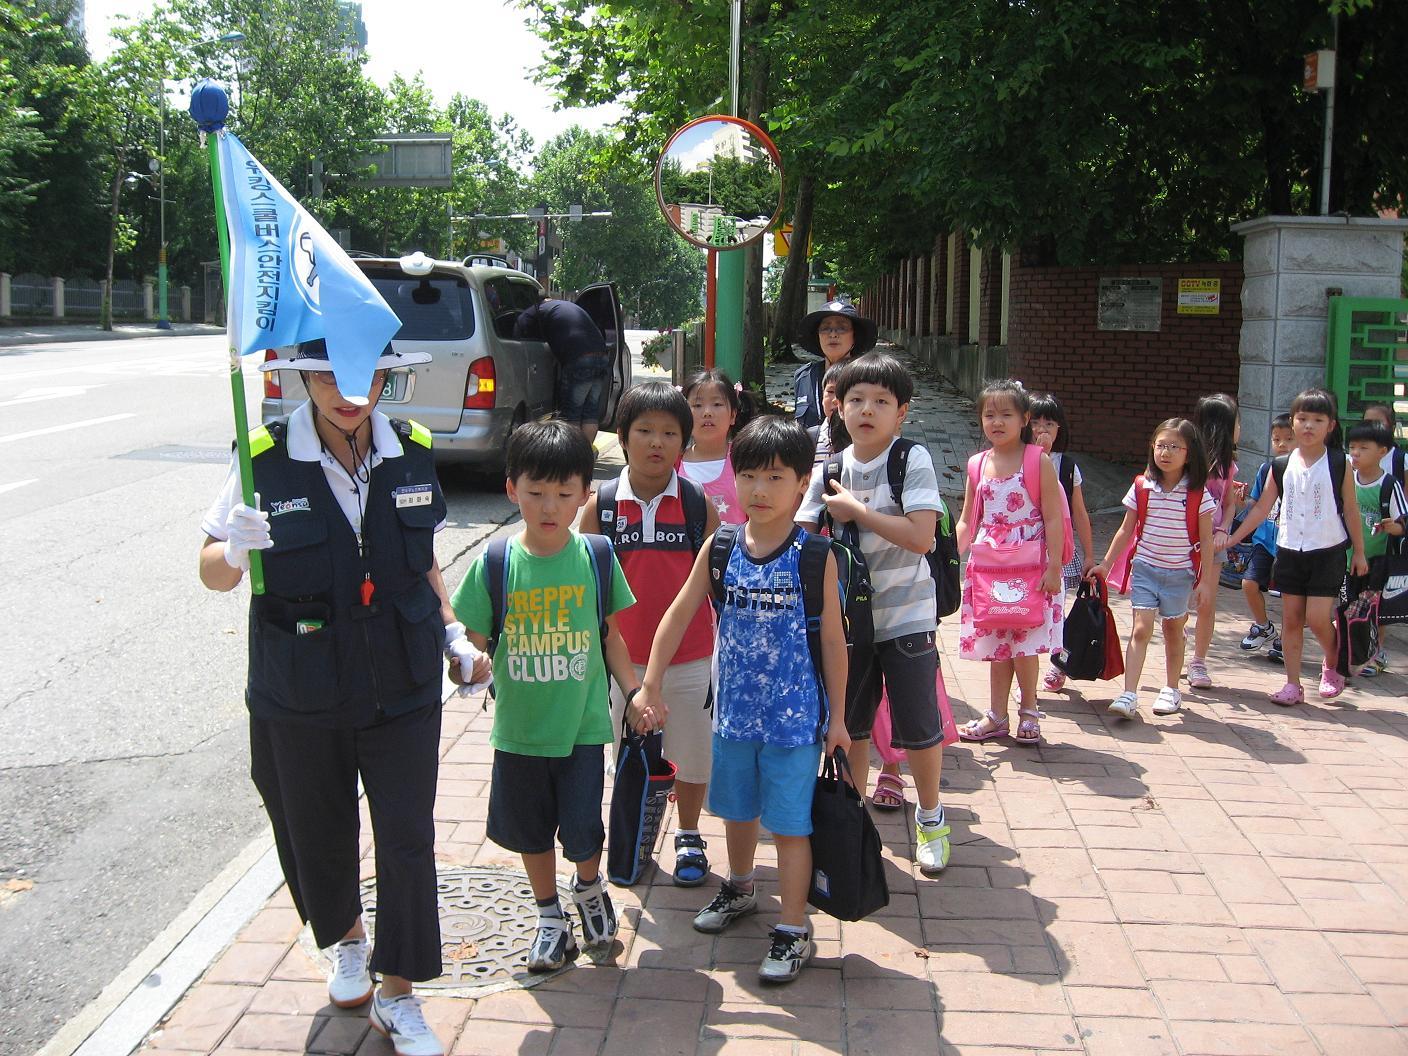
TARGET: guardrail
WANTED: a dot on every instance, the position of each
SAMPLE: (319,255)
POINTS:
(31,296)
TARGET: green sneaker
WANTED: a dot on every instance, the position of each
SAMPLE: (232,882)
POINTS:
(931,847)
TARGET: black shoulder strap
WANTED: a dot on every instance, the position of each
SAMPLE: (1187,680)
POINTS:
(719,551)
(1337,471)
(602,562)
(1067,476)
(606,507)
(1278,473)
(811,569)
(696,511)
(1386,487)
(896,465)
(1399,463)
(830,470)
(496,579)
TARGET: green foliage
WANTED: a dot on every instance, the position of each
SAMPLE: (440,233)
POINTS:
(744,189)
(660,277)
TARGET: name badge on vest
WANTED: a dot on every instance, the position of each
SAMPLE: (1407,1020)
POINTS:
(413,495)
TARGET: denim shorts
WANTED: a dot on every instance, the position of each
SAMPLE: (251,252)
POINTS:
(752,779)
(1259,567)
(1165,589)
(581,389)
(535,800)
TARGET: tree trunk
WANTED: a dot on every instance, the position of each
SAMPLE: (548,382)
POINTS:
(792,299)
(105,313)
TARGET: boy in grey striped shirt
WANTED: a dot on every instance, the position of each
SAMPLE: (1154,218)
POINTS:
(896,533)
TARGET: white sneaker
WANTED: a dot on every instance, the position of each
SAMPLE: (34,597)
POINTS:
(1168,701)
(1125,705)
(349,982)
(404,1025)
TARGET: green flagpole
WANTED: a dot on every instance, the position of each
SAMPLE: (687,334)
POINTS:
(256,563)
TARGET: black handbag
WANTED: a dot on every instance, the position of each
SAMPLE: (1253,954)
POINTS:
(639,796)
(1392,582)
(848,872)
(1082,655)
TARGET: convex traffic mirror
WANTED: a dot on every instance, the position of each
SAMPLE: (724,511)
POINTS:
(719,182)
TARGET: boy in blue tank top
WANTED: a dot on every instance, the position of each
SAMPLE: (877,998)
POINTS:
(771,717)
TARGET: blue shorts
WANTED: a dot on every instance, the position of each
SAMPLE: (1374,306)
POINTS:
(1165,589)
(751,779)
(1259,567)
(581,389)
(535,799)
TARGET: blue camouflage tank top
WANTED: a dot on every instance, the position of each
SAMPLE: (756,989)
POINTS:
(767,688)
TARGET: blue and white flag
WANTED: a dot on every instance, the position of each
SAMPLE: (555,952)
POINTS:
(290,282)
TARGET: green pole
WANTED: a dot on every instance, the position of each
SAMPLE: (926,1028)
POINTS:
(728,314)
(256,564)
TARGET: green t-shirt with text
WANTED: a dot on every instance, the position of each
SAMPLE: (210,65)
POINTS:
(550,679)
(1370,512)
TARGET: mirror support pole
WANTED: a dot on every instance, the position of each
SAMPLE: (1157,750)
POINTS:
(711,299)
(728,313)
(734,48)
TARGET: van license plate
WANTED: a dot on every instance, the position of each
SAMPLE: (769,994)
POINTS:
(394,390)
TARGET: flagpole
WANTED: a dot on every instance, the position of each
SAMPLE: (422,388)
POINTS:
(209,107)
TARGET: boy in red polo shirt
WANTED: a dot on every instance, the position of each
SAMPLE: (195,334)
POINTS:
(657,521)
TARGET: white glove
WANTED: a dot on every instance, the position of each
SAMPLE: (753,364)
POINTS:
(458,647)
(246,529)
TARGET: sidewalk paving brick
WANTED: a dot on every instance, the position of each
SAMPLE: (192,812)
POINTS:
(1228,880)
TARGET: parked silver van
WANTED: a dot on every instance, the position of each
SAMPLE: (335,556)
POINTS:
(482,383)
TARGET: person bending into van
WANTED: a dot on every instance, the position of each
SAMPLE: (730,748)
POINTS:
(583,365)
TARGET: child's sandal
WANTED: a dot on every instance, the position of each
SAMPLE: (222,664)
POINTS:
(1288,695)
(973,731)
(691,864)
(888,794)
(1028,726)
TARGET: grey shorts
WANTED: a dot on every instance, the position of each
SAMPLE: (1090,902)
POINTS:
(907,669)
(1165,589)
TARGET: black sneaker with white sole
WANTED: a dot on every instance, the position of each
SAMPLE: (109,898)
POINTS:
(787,956)
(553,946)
(1276,654)
(1258,635)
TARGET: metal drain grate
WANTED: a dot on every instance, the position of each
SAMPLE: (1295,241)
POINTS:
(487,922)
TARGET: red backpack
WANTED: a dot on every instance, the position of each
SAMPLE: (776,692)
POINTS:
(1119,572)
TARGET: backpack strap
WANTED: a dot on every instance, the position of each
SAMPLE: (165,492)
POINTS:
(831,470)
(1278,473)
(719,551)
(1031,473)
(1192,515)
(696,511)
(1337,471)
(1399,465)
(975,478)
(811,569)
(1066,474)
(896,464)
(603,561)
(496,580)
(606,507)
(1386,487)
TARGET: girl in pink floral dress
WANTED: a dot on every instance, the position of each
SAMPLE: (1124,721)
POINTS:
(1009,514)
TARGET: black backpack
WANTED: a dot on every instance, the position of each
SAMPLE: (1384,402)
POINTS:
(943,555)
(692,498)
(1337,472)
(811,568)
(496,566)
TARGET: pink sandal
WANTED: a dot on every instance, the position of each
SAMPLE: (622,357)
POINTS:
(973,731)
(1028,726)
(1288,695)
(888,794)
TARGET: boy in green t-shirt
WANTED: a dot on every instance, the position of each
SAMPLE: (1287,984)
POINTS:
(1381,506)
(552,715)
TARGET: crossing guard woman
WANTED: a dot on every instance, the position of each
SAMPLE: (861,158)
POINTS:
(345,673)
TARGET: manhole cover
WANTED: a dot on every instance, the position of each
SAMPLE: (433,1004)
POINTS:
(487,921)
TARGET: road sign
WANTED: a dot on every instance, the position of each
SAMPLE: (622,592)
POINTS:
(420,159)
(782,242)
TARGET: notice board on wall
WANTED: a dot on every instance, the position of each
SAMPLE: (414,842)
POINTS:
(1130,304)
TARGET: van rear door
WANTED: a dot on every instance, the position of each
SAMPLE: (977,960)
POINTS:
(602,304)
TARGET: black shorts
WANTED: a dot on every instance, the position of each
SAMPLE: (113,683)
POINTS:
(535,801)
(907,669)
(1309,573)
(1258,569)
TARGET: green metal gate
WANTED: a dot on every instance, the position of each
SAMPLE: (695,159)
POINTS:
(1367,355)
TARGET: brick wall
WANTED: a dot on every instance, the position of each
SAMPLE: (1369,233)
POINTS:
(1117,385)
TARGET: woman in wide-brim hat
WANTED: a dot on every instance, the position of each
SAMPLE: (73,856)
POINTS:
(345,671)
(834,331)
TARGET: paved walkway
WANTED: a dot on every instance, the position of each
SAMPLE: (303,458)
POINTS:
(1230,880)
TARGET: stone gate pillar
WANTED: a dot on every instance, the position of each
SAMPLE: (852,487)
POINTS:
(1293,264)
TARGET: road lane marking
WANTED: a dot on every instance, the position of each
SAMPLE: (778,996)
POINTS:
(35,395)
(65,428)
(17,484)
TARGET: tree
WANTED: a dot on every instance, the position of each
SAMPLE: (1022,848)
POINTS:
(659,276)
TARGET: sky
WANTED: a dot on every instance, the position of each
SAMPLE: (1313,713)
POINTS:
(482,48)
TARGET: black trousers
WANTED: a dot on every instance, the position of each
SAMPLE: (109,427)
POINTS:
(307,777)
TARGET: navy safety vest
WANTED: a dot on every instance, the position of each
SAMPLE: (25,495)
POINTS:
(365,662)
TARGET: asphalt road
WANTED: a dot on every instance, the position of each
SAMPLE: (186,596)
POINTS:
(123,759)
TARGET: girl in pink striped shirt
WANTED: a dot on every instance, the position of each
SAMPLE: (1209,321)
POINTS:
(1162,569)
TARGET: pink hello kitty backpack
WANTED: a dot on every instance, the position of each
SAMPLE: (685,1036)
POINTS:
(1005,576)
